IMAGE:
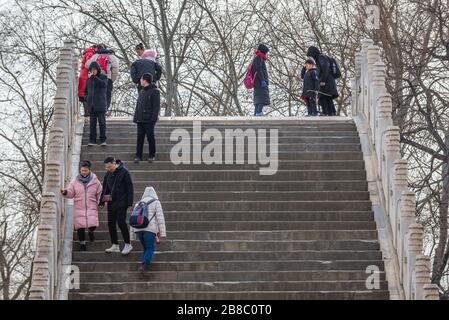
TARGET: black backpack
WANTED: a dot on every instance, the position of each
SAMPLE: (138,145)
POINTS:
(335,68)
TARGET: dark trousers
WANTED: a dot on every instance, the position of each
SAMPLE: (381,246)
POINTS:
(148,241)
(311,106)
(86,109)
(258,109)
(118,216)
(327,105)
(99,117)
(82,233)
(145,130)
(109,92)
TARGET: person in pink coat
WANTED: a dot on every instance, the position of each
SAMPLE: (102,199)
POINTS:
(86,190)
(87,54)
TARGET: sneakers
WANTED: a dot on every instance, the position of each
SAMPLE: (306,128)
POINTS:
(137,160)
(151,159)
(91,144)
(103,144)
(91,236)
(127,249)
(114,249)
(144,268)
(83,247)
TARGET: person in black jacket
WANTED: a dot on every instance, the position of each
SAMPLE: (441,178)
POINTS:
(261,82)
(118,193)
(146,116)
(328,85)
(95,94)
(310,87)
(146,64)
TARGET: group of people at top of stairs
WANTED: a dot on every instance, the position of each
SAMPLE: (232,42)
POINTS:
(99,70)
(116,193)
(319,76)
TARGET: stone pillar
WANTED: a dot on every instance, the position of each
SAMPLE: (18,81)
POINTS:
(414,248)
(399,185)
(422,275)
(41,280)
(431,292)
(407,217)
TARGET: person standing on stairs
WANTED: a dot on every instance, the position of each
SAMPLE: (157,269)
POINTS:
(310,87)
(146,116)
(147,236)
(328,86)
(86,191)
(261,83)
(83,76)
(95,96)
(146,64)
(118,196)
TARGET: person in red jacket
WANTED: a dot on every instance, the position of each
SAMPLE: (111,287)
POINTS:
(87,54)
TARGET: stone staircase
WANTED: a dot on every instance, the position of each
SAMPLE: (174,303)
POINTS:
(307,232)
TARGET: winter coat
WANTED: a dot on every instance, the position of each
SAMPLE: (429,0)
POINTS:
(85,202)
(120,186)
(95,93)
(87,54)
(148,105)
(311,83)
(261,96)
(113,65)
(323,66)
(157,224)
(141,66)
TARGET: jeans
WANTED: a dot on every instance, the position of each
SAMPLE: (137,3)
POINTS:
(118,216)
(148,241)
(82,233)
(101,118)
(311,106)
(145,130)
(327,105)
(258,109)
(109,92)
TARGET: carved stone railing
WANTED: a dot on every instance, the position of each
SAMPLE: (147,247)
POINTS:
(401,237)
(48,263)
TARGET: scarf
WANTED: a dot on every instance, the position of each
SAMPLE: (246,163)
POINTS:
(85,180)
(261,54)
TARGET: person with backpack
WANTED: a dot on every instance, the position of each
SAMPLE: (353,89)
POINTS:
(310,87)
(146,116)
(118,196)
(147,221)
(83,76)
(328,71)
(96,98)
(86,191)
(109,63)
(146,64)
(261,95)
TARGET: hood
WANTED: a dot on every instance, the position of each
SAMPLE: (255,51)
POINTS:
(121,165)
(89,51)
(95,65)
(149,193)
(149,54)
(313,52)
(263,48)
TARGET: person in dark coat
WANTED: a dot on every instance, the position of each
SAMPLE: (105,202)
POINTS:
(328,85)
(95,95)
(146,64)
(261,82)
(310,87)
(146,116)
(118,193)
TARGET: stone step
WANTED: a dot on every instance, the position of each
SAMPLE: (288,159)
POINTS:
(98,166)
(238,295)
(236,175)
(246,245)
(262,225)
(284,265)
(252,185)
(182,276)
(98,153)
(92,256)
(294,148)
(260,196)
(165,139)
(229,286)
(271,235)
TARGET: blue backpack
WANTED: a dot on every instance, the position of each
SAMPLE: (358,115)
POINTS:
(139,216)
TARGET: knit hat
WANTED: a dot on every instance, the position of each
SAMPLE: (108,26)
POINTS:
(263,48)
(147,77)
(150,54)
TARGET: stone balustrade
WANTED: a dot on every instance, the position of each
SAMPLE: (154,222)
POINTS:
(408,269)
